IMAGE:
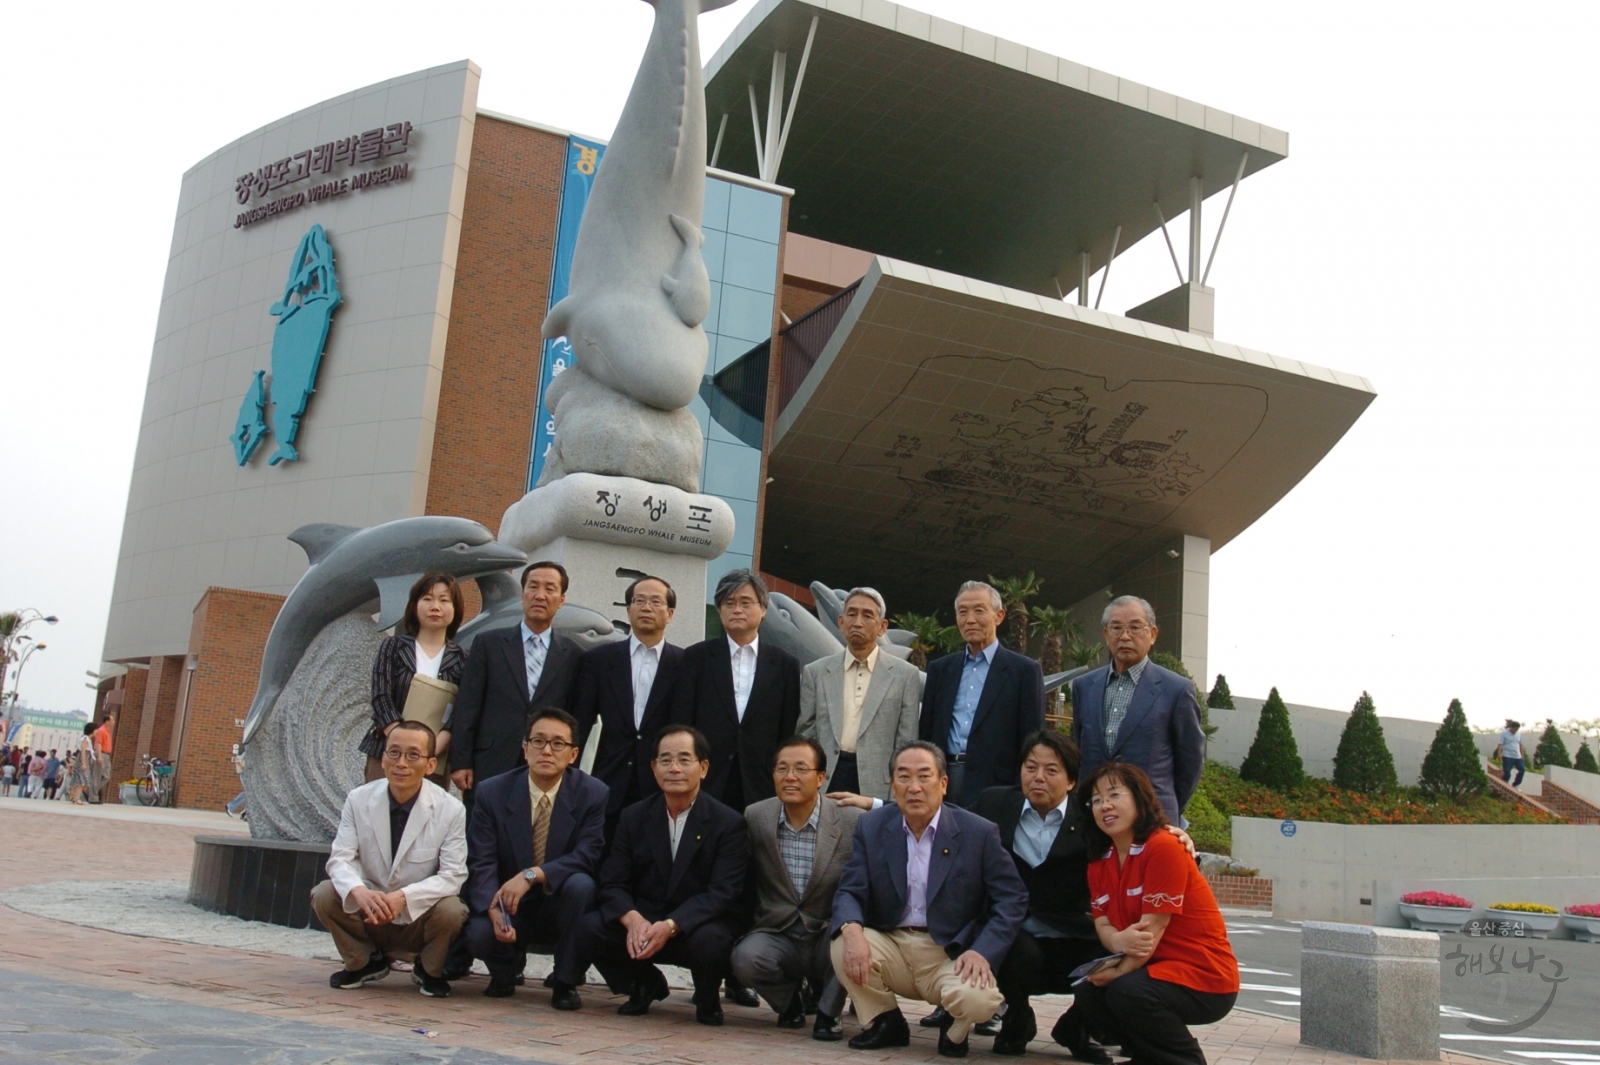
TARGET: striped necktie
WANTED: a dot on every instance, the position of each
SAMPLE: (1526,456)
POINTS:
(541,829)
(533,659)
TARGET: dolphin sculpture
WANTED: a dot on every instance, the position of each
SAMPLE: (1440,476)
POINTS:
(349,567)
(502,609)
(830,608)
(639,288)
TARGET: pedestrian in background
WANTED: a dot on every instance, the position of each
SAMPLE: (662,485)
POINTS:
(8,775)
(36,766)
(52,774)
(81,768)
(1510,741)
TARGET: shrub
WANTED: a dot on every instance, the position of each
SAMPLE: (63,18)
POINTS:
(1363,762)
(1210,830)
(1585,761)
(1436,898)
(1220,697)
(1274,758)
(1523,907)
(1452,766)
(1551,749)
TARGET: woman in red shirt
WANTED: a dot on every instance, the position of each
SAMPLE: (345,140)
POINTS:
(1150,904)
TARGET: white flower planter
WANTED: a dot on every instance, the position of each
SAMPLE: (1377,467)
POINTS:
(1583,929)
(1539,925)
(1435,918)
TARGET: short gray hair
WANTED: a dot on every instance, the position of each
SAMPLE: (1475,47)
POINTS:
(1129,600)
(735,579)
(870,593)
(934,749)
(980,586)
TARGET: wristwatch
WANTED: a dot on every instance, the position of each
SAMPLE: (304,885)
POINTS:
(530,874)
(673,925)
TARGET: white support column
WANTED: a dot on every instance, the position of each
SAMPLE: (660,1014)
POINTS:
(1216,240)
(1194,229)
(717,148)
(1159,212)
(780,64)
(1083,279)
(1116,238)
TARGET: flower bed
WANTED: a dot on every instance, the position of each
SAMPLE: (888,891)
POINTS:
(1587,909)
(1523,907)
(1436,898)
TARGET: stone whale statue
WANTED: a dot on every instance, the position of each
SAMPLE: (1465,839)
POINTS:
(639,290)
(351,567)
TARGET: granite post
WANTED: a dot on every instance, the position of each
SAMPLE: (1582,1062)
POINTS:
(1372,992)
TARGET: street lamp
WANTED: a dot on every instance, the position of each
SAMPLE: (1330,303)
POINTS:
(13,633)
(22,660)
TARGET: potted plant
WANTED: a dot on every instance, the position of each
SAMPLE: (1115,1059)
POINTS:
(1583,922)
(1538,919)
(1435,911)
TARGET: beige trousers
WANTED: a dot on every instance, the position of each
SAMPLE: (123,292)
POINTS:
(912,965)
(428,937)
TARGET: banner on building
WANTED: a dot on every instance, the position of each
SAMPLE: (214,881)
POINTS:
(583,160)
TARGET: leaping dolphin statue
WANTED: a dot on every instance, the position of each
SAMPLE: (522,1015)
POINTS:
(350,567)
(639,288)
(502,609)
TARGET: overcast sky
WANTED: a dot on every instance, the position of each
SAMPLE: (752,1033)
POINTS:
(1428,231)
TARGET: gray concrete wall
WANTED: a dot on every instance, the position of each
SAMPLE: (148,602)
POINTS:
(1583,785)
(1323,872)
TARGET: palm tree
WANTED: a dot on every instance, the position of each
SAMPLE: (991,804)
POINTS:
(928,636)
(1058,626)
(1014,595)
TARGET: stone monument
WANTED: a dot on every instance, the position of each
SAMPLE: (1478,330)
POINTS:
(620,492)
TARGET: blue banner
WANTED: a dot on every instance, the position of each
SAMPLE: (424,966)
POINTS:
(583,160)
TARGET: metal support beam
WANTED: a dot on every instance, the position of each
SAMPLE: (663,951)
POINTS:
(1216,240)
(794,97)
(1083,279)
(717,149)
(769,157)
(755,125)
(771,143)
(1116,238)
(1195,194)
(1159,214)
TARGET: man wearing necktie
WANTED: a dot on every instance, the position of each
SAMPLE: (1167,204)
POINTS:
(534,856)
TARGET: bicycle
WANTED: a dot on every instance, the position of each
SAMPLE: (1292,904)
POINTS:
(155,787)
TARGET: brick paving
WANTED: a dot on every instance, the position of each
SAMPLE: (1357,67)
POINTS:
(293,995)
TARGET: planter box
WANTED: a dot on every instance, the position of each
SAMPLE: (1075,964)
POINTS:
(128,794)
(1435,918)
(1538,925)
(1583,929)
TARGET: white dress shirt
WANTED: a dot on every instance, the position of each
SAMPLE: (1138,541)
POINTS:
(744,672)
(645,661)
(675,827)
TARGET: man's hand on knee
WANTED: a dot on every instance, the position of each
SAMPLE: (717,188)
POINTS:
(857,954)
(973,968)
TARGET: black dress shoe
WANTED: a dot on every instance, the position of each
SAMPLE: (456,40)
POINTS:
(888,1029)
(453,973)
(565,996)
(947,1049)
(810,996)
(937,1019)
(651,989)
(989,1027)
(1016,1032)
(1068,1032)
(793,1015)
(740,995)
(432,986)
(377,968)
(499,988)
(827,1029)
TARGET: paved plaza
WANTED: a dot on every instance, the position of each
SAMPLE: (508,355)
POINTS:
(74,993)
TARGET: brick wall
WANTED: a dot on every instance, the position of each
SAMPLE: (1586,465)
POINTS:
(490,385)
(801,296)
(124,764)
(227,638)
(1242,892)
(1567,804)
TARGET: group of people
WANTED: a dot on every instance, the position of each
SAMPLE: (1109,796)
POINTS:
(78,775)
(845,832)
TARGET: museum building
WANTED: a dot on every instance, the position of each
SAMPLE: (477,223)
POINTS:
(908,224)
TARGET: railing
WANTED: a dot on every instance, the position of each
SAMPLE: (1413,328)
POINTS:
(804,340)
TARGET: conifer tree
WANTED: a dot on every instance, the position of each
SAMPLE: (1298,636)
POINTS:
(1551,749)
(1363,762)
(1452,766)
(1274,758)
(1220,698)
(1585,761)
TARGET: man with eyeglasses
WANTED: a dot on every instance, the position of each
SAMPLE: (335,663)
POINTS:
(1139,712)
(672,886)
(394,869)
(535,842)
(799,840)
(626,689)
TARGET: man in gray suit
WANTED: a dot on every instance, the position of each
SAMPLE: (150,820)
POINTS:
(862,705)
(1136,711)
(799,841)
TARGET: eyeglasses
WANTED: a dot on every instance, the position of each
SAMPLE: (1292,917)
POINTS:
(682,761)
(654,601)
(395,754)
(1138,628)
(539,743)
(781,771)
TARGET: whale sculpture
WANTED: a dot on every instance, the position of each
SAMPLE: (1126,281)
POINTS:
(350,567)
(639,290)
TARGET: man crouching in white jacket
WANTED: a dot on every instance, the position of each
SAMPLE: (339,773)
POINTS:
(395,869)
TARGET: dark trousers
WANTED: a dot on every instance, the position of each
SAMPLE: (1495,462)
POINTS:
(958,777)
(544,923)
(1509,764)
(1041,965)
(1150,1018)
(846,777)
(704,952)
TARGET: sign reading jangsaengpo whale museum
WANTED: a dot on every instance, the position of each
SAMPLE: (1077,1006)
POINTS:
(357,149)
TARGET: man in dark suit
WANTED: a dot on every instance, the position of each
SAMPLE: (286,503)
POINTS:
(627,689)
(743,694)
(1045,832)
(927,907)
(672,886)
(979,704)
(1136,711)
(799,841)
(509,674)
(533,855)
